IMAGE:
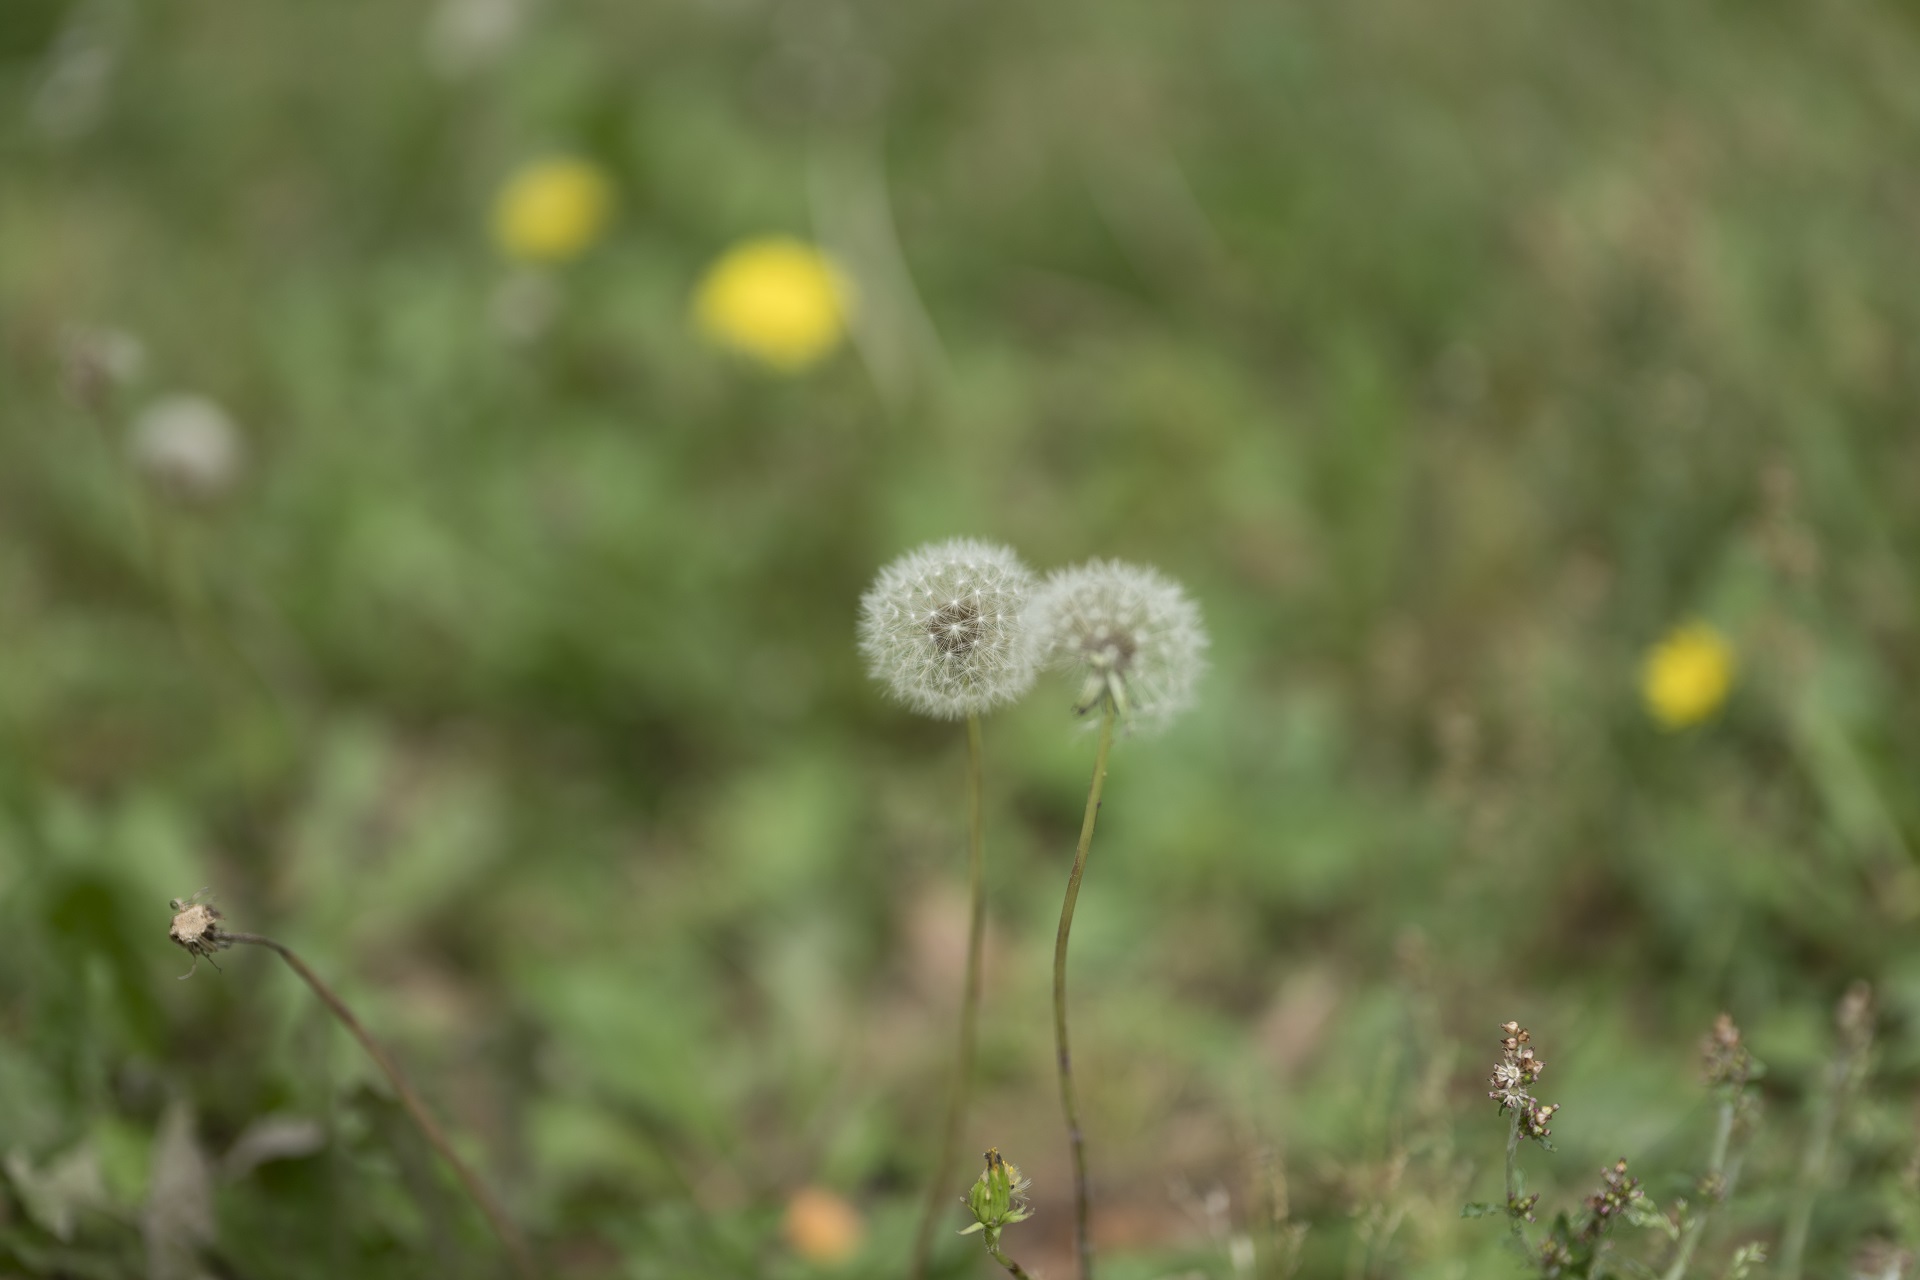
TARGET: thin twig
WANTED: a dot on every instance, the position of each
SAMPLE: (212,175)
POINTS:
(937,1192)
(1075,1140)
(503,1226)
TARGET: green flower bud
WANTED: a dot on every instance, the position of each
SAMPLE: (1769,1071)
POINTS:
(997,1199)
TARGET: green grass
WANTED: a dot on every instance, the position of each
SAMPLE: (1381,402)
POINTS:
(1448,354)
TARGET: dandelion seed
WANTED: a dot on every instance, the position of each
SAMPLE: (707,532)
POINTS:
(944,627)
(1133,634)
(1687,676)
(552,211)
(777,299)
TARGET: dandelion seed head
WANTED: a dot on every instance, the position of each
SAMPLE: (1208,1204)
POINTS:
(188,445)
(944,628)
(1133,634)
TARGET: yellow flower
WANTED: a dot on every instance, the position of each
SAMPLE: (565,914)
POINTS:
(823,1228)
(1687,675)
(777,299)
(552,211)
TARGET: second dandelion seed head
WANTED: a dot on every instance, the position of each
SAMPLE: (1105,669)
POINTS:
(1132,633)
(945,628)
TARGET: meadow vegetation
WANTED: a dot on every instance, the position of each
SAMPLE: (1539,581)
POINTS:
(442,451)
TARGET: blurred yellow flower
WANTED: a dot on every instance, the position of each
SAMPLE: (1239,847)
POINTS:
(777,299)
(1687,675)
(552,210)
(823,1228)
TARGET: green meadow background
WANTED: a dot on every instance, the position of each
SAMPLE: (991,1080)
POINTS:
(1450,355)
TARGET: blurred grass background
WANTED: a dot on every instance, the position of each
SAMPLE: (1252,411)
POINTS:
(1451,355)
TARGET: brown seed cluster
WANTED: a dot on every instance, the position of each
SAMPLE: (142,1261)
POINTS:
(1724,1059)
(1617,1191)
(1512,1082)
(196,928)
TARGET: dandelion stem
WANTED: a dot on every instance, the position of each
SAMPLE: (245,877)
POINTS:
(969,1008)
(503,1227)
(1718,1183)
(1012,1267)
(1075,1140)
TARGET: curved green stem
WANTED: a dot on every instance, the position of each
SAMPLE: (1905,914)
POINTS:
(1719,1182)
(1075,1140)
(1012,1267)
(496,1214)
(969,1010)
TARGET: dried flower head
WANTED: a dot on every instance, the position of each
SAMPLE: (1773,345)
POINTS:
(1853,1018)
(196,928)
(945,628)
(1512,1081)
(97,362)
(1133,633)
(1618,1190)
(1724,1059)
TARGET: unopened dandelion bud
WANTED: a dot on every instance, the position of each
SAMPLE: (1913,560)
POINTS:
(944,628)
(997,1199)
(1133,635)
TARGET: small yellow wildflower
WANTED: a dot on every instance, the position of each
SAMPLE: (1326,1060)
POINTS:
(777,299)
(552,211)
(823,1228)
(1687,675)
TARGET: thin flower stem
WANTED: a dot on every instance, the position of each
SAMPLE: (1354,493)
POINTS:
(1075,1140)
(1012,1267)
(1513,1177)
(1719,1181)
(969,1009)
(503,1227)
(1813,1166)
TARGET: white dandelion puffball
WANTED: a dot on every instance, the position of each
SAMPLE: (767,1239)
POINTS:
(187,444)
(945,628)
(1131,631)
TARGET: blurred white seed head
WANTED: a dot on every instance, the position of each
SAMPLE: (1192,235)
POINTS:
(525,305)
(187,444)
(99,361)
(1131,632)
(466,36)
(945,628)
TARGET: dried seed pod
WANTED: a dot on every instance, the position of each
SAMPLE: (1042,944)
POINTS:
(196,928)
